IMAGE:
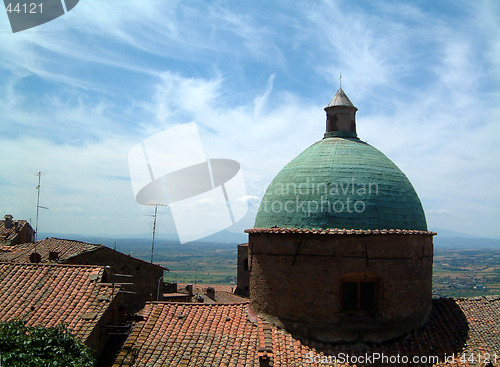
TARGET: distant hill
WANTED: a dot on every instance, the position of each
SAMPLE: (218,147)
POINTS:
(227,237)
(219,237)
(466,243)
(223,239)
(452,234)
(445,239)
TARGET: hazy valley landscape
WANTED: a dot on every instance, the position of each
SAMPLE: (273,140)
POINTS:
(464,266)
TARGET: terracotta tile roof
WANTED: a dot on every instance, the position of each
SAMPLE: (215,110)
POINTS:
(180,334)
(232,335)
(338,231)
(7,234)
(50,294)
(459,328)
(65,249)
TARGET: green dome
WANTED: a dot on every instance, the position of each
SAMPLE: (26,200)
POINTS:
(341,182)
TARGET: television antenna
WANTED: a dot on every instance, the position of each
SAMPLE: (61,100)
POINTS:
(38,206)
(155,215)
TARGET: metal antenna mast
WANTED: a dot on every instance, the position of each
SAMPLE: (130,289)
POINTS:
(154,231)
(153,251)
(38,206)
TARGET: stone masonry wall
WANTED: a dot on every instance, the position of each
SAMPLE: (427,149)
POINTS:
(295,279)
(145,276)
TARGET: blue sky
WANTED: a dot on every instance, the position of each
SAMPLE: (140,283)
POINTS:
(77,93)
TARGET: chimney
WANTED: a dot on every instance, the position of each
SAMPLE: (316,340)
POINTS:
(265,360)
(211,293)
(35,258)
(53,256)
(8,221)
(265,351)
(189,289)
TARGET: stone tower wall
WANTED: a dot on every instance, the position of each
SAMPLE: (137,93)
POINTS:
(243,275)
(295,279)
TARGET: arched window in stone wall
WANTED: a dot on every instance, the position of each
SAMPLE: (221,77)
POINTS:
(359,292)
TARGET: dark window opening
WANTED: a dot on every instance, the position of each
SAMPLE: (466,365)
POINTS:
(367,296)
(349,296)
(245,264)
(359,296)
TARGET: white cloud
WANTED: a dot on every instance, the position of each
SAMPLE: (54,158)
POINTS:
(77,93)
(249,199)
(261,100)
(178,97)
(438,211)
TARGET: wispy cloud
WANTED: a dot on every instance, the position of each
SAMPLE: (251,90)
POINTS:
(78,92)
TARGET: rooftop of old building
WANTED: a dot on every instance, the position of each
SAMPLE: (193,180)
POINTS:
(10,228)
(64,249)
(232,335)
(53,294)
(51,250)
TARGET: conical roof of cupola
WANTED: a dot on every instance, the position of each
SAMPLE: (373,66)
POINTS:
(340,99)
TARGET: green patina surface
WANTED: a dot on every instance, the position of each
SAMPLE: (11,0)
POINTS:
(341,183)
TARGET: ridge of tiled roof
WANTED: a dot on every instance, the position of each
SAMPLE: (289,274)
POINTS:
(340,231)
(52,294)
(233,335)
(65,249)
